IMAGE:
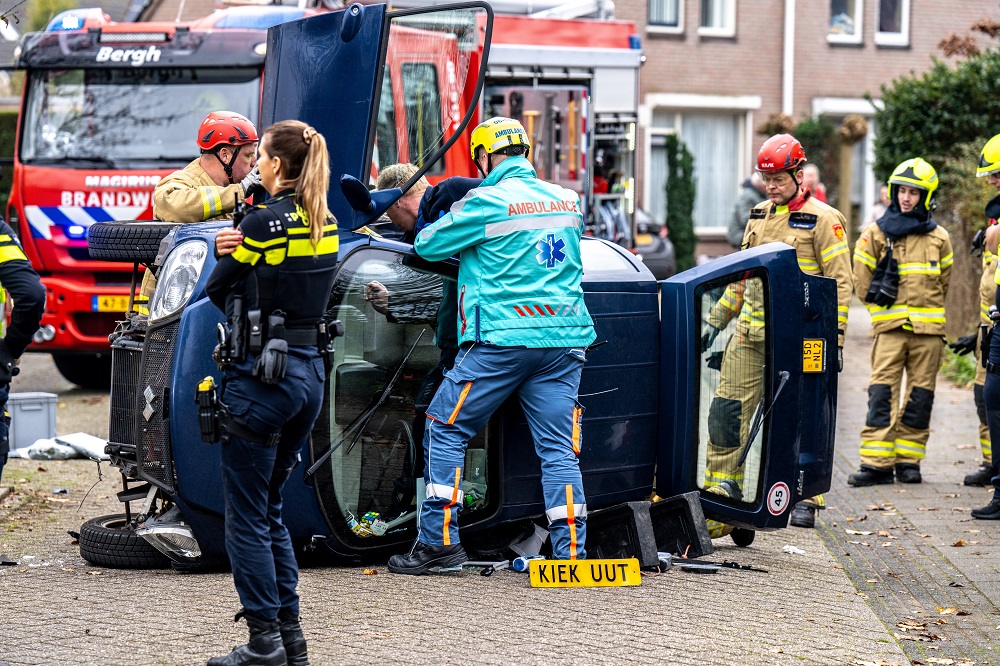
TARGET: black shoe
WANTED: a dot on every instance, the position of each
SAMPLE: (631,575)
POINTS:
(908,473)
(293,639)
(803,515)
(423,558)
(263,649)
(989,512)
(727,488)
(981,477)
(870,476)
(742,537)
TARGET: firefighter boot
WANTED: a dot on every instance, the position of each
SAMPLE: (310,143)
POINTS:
(870,476)
(989,512)
(263,649)
(981,477)
(292,638)
(423,558)
(908,473)
(803,515)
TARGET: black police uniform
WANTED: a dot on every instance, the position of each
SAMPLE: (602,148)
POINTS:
(276,268)
(22,283)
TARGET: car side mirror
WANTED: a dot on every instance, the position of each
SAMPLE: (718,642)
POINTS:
(369,204)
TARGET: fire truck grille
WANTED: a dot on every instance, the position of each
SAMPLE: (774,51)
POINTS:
(152,425)
(126,373)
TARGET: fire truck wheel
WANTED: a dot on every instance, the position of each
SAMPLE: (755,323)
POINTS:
(109,541)
(131,240)
(89,371)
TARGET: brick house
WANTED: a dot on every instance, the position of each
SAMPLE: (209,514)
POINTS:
(716,69)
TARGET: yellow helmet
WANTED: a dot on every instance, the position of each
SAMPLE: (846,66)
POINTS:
(498,133)
(989,159)
(915,172)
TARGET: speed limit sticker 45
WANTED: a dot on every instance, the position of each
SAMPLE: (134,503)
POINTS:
(778,498)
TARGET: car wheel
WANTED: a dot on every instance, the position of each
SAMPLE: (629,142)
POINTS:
(128,240)
(109,541)
(742,537)
(89,371)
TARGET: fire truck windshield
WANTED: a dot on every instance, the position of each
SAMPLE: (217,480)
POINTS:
(127,118)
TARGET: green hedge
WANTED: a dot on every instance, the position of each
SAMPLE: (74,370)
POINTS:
(8,132)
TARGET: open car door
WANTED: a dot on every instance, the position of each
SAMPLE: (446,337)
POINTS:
(749,385)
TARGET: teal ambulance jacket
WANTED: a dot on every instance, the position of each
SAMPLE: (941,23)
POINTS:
(518,239)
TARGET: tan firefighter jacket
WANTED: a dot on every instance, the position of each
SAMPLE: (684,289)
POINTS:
(987,287)
(816,231)
(190,195)
(924,273)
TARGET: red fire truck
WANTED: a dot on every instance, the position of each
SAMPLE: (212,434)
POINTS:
(110,108)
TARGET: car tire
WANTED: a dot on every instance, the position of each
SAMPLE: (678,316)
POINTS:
(127,240)
(89,371)
(109,541)
(742,537)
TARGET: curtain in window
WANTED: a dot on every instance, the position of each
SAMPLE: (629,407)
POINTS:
(658,179)
(714,13)
(715,140)
(663,12)
(890,16)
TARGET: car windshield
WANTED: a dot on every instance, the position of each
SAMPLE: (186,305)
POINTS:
(121,117)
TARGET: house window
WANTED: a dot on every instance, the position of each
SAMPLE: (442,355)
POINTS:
(893,23)
(718,18)
(666,15)
(845,21)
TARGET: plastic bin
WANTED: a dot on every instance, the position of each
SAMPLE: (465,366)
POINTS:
(32,417)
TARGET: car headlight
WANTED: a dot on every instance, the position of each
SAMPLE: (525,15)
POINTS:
(177,278)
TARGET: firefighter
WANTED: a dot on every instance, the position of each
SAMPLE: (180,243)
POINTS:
(989,167)
(20,281)
(816,231)
(280,277)
(519,242)
(971,343)
(902,267)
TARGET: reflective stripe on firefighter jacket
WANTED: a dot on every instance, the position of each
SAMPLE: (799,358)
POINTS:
(515,224)
(925,262)
(816,231)
(190,195)
(987,287)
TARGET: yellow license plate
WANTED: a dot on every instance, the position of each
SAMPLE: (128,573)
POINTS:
(813,358)
(644,239)
(584,573)
(110,304)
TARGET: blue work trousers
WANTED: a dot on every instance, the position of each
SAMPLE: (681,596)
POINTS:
(547,382)
(991,399)
(260,549)
(4,426)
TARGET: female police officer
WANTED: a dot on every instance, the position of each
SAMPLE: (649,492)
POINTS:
(282,271)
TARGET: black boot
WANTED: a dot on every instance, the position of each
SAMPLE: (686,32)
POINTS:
(263,649)
(989,512)
(981,477)
(908,473)
(870,476)
(423,558)
(292,638)
(803,515)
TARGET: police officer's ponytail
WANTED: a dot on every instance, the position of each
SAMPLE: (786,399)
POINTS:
(307,168)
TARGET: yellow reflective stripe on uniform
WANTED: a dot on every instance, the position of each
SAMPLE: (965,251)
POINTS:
(730,300)
(751,317)
(301,247)
(244,255)
(948,260)
(865,258)
(887,314)
(327,228)
(5,238)
(877,448)
(988,257)
(211,202)
(263,244)
(808,264)
(11,253)
(715,477)
(986,446)
(919,268)
(910,449)
(275,256)
(927,315)
(834,251)
(842,314)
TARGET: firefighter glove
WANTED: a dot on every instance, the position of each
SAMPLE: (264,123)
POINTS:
(708,336)
(272,362)
(965,344)
(250,182)
(840,359)
(715,361)
(8,364)
(978,243)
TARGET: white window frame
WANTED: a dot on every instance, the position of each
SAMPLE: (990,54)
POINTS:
(859,12)
(901,38)
(654,28)
(728,30)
